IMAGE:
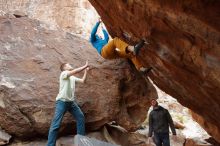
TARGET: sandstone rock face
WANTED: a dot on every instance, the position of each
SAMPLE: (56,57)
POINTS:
(30,57)
(76,16)
(183,47)
(214,130)
(190,142)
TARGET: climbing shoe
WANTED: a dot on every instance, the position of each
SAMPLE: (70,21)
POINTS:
(145,71)
(138,46)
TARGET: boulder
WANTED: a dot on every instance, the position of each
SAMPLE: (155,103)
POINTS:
(30,57)
(213,130)
(118,135)
(75,16)
(183,47)
(85,141)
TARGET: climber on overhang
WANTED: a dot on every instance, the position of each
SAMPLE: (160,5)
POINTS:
(117,48)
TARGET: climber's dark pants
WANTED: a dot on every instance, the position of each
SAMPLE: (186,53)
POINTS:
(161,139)
(61,108)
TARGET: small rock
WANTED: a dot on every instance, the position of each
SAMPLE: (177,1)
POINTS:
(85,141)
(4,137)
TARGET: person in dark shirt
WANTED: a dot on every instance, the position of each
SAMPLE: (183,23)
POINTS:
(116,48)
(159,123)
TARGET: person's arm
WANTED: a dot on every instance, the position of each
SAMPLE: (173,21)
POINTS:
(105,34)
(83,79)
(94,30)
(77,70)
(170,121)
(150,125)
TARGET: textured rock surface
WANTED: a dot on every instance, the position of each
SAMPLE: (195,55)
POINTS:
(214,130)
(184,39)
(30,57)
(190,142)
(74,16)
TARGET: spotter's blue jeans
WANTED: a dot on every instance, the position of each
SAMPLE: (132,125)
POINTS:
(61,108)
